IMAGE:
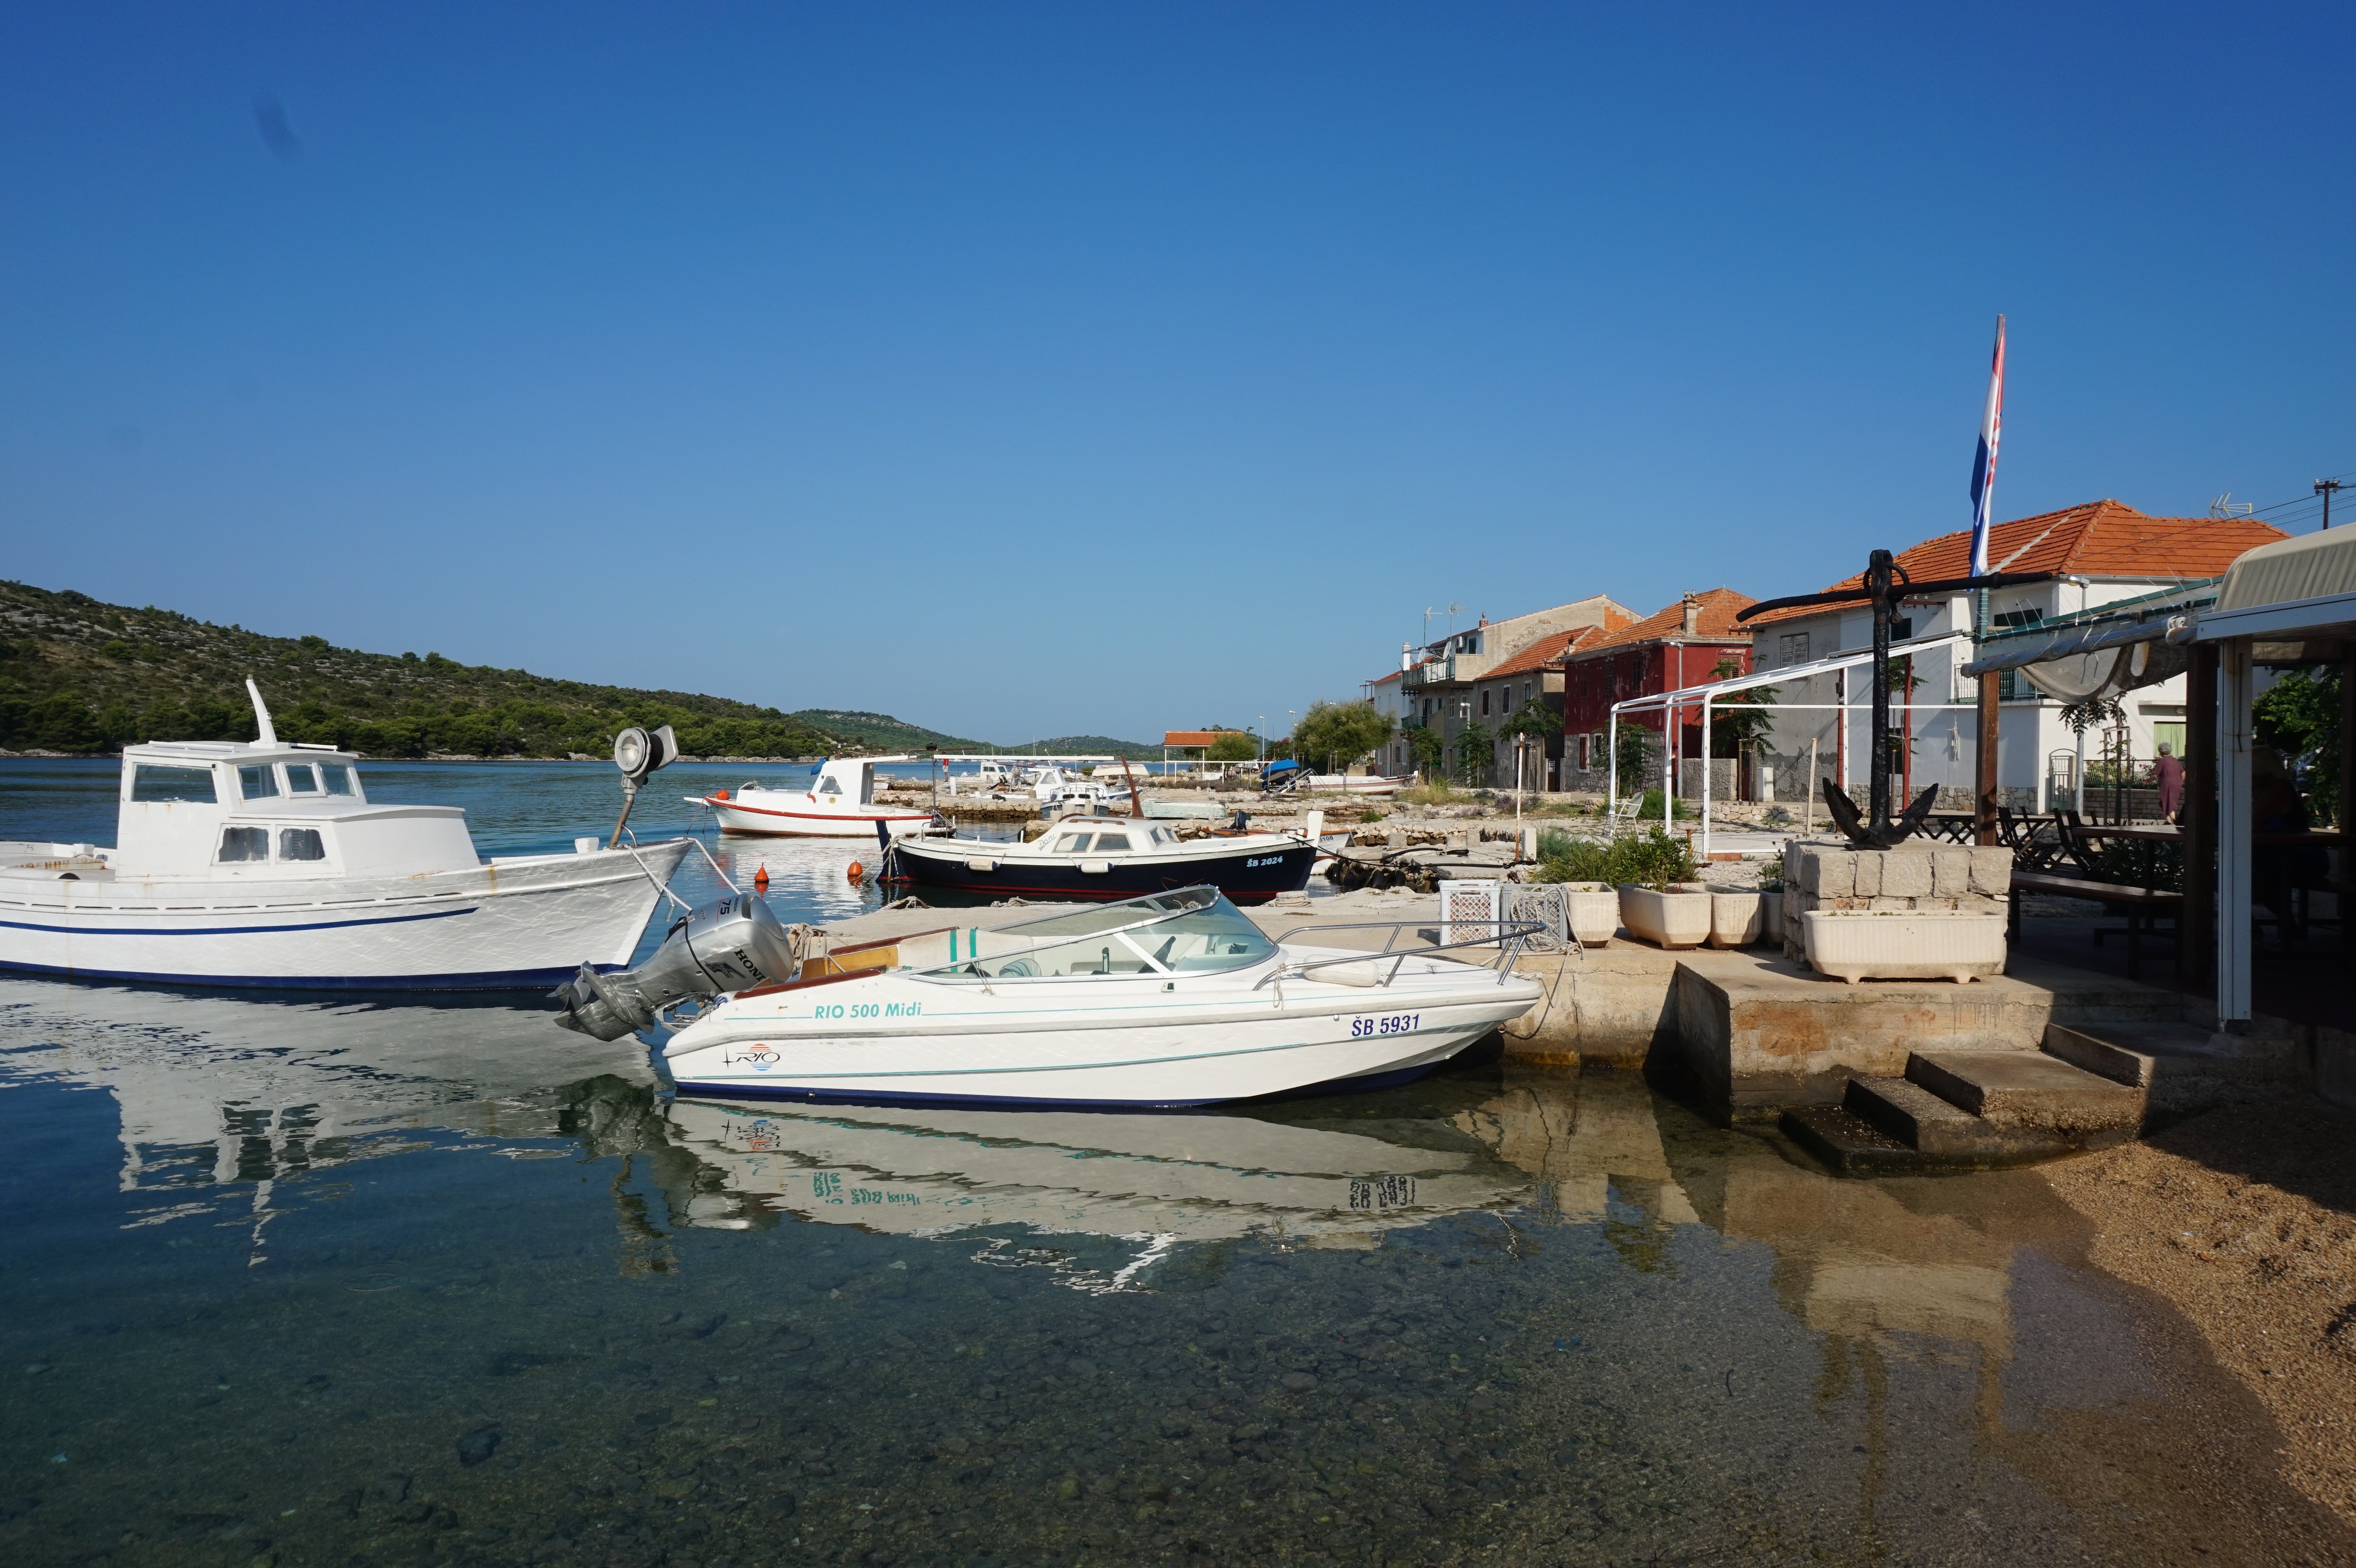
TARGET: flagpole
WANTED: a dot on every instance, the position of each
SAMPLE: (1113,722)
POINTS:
(1991,714)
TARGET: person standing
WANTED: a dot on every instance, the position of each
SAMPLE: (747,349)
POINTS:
(2169,771)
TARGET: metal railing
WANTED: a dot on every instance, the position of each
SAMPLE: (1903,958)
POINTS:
(1518,931)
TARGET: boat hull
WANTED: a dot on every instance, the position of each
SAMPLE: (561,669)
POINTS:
(1083,1042)
(791,817)
(510,924)
(1251,876)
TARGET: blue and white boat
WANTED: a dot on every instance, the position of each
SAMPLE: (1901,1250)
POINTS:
(266,864)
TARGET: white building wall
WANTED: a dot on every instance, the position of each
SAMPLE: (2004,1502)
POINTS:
(1946,740)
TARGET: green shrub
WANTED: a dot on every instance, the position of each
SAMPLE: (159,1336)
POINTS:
(1651,858)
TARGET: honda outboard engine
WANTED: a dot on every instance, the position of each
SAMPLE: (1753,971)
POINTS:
(727,946)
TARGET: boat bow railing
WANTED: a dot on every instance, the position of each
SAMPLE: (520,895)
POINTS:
(1508,936)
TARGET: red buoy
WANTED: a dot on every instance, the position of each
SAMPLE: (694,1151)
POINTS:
(761,880)
(857,871)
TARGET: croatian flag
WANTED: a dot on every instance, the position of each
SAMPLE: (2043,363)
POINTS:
(1984,464)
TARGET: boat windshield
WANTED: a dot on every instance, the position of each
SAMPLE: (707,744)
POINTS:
(1190,931)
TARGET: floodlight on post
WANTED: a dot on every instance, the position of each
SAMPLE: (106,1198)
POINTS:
(638,752)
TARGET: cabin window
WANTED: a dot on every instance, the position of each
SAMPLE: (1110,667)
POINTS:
(239,844)
(1073,845)
(339,778)
(300,844)
(258,781)
(827,787)
(1112,841)
(150,782)
(302,778)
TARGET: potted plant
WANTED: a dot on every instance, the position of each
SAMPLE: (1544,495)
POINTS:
(1594,910)
(1737,916)
(1770,908)
(1855,944)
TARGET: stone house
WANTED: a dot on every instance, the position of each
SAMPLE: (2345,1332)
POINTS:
(1687,643)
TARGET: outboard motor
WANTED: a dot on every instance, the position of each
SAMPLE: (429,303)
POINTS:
(727,946)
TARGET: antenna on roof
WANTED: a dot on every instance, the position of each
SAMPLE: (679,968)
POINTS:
(2224,505)
(266,734)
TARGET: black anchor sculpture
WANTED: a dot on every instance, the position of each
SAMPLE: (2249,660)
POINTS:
(1886,584)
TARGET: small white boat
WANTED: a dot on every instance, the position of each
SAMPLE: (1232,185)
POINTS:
(1108,858)
(266,864)
(1172,999)
(838,803)
(1057,787)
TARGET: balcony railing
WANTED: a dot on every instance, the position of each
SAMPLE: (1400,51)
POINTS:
(1436,672)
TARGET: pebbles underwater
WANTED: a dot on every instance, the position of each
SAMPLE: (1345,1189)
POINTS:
(1494,1316)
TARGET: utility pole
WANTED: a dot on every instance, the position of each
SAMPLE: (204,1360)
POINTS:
(2324,487)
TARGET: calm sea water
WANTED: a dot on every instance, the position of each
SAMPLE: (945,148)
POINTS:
(300,1283)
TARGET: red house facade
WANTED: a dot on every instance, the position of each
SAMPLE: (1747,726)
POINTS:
(1690,642)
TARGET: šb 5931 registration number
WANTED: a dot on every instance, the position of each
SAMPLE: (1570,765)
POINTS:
(1398,1023)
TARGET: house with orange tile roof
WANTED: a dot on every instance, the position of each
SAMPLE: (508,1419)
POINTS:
(1438,684)
(2102,551)
(1693,641)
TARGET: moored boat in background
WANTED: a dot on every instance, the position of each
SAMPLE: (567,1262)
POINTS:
(838,803)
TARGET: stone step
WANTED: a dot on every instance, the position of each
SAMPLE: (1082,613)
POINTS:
(1916,1117)
(2029,1091)
(1850,1143)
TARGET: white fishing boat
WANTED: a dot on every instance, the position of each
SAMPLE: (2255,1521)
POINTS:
(1064,788)
(266,864)
(839,802)
(1172,999)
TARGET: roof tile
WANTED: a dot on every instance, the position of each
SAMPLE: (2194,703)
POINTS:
(2099,539)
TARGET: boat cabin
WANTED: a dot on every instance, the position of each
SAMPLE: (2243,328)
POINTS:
(845,781)
(1108,836)
(270,811)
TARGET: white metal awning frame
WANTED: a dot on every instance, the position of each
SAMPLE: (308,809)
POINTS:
(1708,694)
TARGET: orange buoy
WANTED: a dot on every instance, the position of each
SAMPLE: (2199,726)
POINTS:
(720,794)
(857,871)
(761,880)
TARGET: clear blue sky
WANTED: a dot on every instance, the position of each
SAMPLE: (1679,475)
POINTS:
(1030,368)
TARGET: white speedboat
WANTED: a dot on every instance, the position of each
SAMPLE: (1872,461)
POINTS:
(1172,999)
(1108,858)
(266,864)
(837,803)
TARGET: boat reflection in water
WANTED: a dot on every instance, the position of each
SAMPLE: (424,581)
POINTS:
(1150,1183)
(215,1092)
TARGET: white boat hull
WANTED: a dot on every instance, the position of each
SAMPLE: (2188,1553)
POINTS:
(898,1038)
(506,924)
(778,815)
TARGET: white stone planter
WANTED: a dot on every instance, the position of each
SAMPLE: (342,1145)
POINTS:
(1594,912)
(1673,919)
(1735,919)
(1926,945)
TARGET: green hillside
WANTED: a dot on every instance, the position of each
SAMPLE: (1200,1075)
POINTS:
(884,732)
(80,676)
(1094,745)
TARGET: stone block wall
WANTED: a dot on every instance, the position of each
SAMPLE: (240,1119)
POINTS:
(1920,874)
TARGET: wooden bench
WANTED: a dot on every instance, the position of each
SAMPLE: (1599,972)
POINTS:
(2140,905)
